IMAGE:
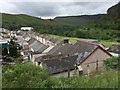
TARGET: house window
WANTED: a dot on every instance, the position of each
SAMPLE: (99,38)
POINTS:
(39,63)
(97,65)
(88,66)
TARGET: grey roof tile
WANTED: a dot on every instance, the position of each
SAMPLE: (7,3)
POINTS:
(38,46)
(60,65)
(31,41)
(114,48)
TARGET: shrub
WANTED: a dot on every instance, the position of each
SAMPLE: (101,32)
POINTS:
(111,63)
(30,76)
(22,76)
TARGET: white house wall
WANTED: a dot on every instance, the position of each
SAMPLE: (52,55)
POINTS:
(36,56)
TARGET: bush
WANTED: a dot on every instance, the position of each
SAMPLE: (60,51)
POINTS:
(22,76)
(30,76)
(111,63)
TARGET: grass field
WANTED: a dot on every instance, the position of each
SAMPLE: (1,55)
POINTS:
(106,43)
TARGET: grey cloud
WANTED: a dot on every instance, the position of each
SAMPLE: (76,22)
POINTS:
(50,9)
(38,8)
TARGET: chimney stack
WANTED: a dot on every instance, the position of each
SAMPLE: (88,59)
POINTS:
(66,41)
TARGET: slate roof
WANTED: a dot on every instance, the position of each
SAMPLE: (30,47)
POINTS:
(59,42)
(38,47)
(60,65)
(78,52)
(54,49)
(91,41)
(20,40)
(71,49)
(82,49)
(36,34)
(53,40)
(47,37)
(31,41)
(25,36)
(42,35)
(63,49)
(114,48)
(30,32)
(47,57)
(43,48)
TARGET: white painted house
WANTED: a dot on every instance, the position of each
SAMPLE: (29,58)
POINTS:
(26,28)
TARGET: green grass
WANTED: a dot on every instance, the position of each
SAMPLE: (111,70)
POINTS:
(30,76)
(106,43)
(104,79)
(71,39)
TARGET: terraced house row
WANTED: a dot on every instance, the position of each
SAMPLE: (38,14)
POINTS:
(60,57)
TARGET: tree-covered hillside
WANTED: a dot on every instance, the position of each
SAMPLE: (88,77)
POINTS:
(14,22)
(111,20)
(101,26)
(114,11)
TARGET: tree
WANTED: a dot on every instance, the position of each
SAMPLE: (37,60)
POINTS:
(13,49)
(111,63)
(4,51)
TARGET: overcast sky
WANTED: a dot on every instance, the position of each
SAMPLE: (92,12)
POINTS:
(52,9)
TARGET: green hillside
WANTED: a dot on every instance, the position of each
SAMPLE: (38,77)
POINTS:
(77,20)
(20,20)
(65,22)
(114,11)
(14,22)
(111,20)
(101,26)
